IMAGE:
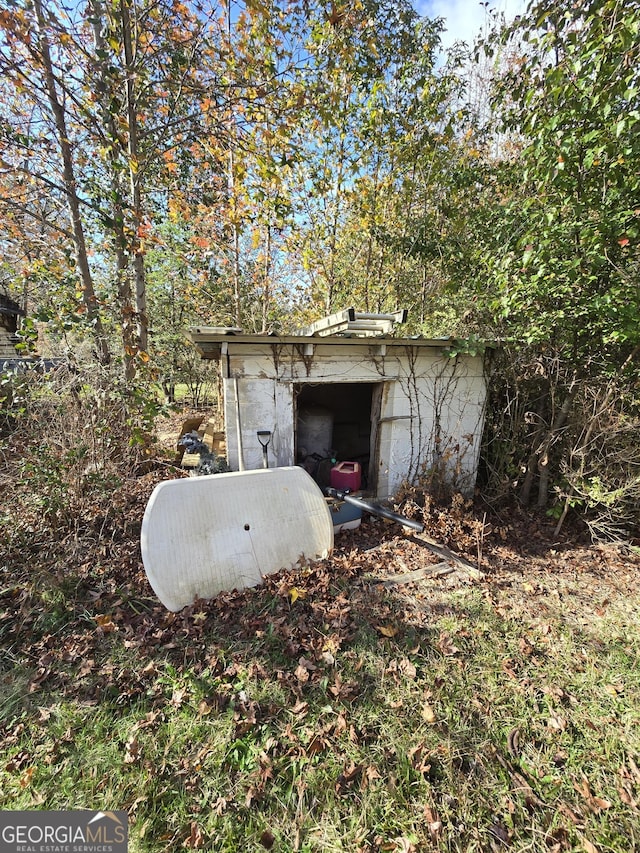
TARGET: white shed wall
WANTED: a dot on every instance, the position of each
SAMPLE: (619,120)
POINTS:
(431,409)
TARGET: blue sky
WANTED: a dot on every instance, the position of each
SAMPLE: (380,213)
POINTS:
(465,18)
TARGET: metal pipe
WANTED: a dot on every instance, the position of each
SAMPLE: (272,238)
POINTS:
(238,426)
(375,509)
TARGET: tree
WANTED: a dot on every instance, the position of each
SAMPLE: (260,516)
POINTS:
(569,226)
(112,85)
(573,96)
(381,98)
(31,64)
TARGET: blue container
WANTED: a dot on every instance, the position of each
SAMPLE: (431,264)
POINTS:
(345,516)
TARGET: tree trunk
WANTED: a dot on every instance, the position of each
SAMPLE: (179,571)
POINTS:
(532,462)
(266,291)
(134,178)
(89,299)
(235,230)
(551,437)
(123,283)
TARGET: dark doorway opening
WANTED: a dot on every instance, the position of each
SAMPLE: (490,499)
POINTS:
(337,421)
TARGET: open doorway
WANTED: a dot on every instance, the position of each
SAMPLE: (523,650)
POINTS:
(337,421)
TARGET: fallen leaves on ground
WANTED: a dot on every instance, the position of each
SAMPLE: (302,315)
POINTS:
(318,608)
(308,618)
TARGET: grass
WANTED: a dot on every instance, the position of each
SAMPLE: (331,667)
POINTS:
(336,722)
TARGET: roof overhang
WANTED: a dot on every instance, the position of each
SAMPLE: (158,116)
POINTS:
(212,341)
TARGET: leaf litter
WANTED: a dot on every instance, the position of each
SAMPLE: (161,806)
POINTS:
(312,633)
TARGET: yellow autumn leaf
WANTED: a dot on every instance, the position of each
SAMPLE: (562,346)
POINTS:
(105,622)
(387,630)
(295,594)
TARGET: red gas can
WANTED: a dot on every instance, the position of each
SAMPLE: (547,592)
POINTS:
(346,475)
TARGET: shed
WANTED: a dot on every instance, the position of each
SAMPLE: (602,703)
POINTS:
(9,313)
(348,388)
